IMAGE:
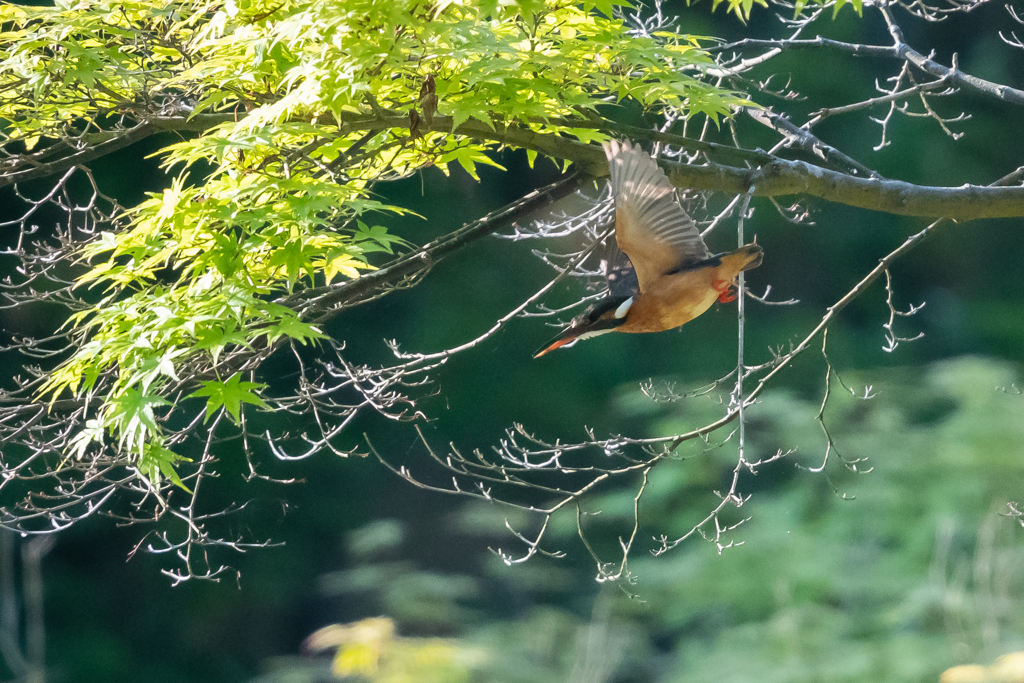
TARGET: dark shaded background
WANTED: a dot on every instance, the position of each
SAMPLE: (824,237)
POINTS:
(945,444)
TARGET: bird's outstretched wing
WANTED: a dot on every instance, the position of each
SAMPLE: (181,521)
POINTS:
(650,226)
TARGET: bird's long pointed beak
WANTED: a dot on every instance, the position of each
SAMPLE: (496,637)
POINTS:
(567,338)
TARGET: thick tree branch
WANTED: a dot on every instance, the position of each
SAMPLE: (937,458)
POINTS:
(775,177)
(83,156)
(783,177)
(92,146)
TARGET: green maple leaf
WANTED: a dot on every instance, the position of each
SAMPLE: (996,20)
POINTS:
(230,395)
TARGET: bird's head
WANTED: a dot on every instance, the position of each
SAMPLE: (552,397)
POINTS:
(604,316)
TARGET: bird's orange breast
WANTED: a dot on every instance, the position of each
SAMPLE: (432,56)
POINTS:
(671,301)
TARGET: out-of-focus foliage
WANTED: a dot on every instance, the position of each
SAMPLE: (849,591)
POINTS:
(300,107)
(1007,669)
(917,570)
(371,649)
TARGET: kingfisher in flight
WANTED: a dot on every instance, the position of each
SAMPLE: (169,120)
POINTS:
(662,275)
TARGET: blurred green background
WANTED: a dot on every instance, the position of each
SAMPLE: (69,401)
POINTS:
(893,575)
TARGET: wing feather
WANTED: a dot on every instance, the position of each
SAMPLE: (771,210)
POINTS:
(650,227)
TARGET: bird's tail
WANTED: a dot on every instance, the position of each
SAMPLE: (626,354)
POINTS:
(744,258)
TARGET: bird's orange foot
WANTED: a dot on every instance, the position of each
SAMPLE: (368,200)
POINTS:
(724,289)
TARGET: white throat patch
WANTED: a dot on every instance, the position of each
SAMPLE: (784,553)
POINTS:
(623,308)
